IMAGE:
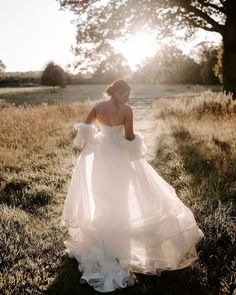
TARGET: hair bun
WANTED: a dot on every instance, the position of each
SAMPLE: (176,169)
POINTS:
(109,90)
(118,86)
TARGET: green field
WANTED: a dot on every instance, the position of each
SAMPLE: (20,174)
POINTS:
(45,94)
(195,151)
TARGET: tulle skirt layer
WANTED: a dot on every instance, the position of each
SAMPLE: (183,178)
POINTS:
(123,217)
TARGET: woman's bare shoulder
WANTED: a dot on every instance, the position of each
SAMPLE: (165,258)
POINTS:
(128,108)
(104,103)
(100,103)
(97,105)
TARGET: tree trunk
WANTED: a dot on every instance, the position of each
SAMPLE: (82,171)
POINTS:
(229,50)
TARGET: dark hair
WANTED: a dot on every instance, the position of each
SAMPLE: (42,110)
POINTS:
(117,85)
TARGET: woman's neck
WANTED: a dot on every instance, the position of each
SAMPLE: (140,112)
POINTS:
(115,101)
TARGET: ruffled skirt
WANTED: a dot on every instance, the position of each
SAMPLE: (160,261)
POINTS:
(123,217)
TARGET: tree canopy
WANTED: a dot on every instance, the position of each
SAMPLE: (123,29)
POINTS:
(53,75)
(2,66)
(100,21)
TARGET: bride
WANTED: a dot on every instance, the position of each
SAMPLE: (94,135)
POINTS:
(122,216)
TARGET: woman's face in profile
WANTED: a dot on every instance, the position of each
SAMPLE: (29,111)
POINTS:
(123,96)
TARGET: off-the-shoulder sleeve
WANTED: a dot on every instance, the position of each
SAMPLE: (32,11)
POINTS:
(136,147)
(86,133)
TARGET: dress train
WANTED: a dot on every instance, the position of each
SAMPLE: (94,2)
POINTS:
(122,216)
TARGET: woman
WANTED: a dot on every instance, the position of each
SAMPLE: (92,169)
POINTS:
(122,216)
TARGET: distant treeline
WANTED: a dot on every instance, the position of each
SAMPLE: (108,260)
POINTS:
(169,65)
(12,80)
(172,66)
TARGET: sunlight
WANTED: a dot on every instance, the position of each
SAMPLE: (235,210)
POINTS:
(137,48)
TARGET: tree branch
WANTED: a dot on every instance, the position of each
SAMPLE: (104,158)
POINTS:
(198,13)
(197,24)
(216,7)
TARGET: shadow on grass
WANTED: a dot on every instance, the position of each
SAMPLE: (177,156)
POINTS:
(183,282)
(217,172)
(211,180)
(67,281)
(20,193)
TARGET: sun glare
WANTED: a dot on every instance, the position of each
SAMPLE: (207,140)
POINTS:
(137,48)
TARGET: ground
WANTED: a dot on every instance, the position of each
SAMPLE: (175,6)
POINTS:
(191,144)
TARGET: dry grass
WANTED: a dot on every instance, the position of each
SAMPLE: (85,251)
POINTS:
(195,153)
(36,160)
(211,104)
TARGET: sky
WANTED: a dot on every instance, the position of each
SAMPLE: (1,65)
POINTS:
(34,32)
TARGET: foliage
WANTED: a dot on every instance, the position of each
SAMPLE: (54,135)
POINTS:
(209,60)
(218,66)
(99,22)
(169,65)
(2,66)
(20,79)
(114,66)
(53,75)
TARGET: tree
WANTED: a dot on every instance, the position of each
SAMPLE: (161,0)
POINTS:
(168,65)
(100,21)
(53,75)
(209,61)
(2,68)
(114,66)
(218,66)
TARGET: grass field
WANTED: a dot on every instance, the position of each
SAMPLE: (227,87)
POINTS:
(86,93)
(195,151)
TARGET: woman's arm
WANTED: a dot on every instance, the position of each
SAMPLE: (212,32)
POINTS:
(129,133)
(91,116)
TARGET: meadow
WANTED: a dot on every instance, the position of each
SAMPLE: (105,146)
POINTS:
(86,93)
(194,150)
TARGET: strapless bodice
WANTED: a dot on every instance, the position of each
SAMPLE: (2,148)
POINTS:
(111,130)
(89,136)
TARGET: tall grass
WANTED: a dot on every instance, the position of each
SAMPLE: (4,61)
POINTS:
(197,154)
(36,160)
(211,104)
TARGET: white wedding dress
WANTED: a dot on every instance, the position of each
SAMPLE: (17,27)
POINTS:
(122,216)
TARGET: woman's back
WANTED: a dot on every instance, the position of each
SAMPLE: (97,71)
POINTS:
(110,113)
(115,111)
